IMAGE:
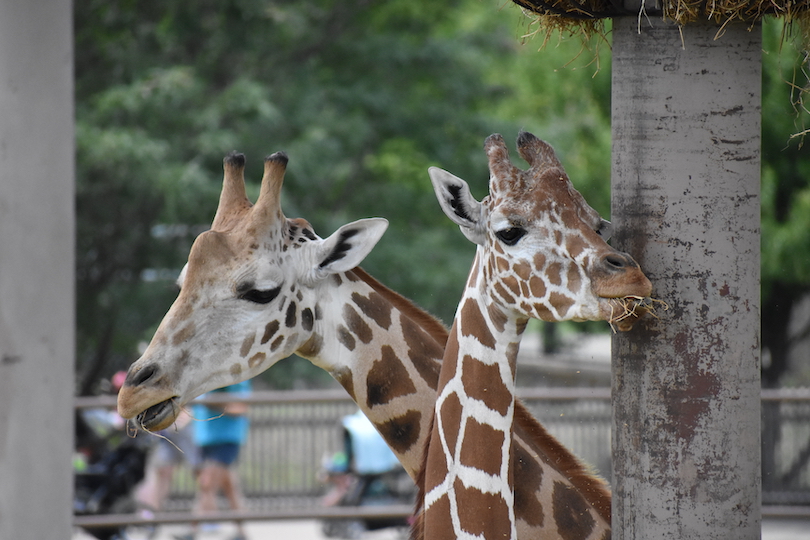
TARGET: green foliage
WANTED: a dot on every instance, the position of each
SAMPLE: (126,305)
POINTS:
(364,97)
(785,164)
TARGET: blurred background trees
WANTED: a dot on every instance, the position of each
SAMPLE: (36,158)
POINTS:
(364,97)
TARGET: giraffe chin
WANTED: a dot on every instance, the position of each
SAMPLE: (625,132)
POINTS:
(159,416)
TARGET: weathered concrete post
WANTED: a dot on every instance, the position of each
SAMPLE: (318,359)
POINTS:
(36,268)
(685,179)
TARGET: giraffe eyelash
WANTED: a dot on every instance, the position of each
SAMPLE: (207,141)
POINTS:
(511,235)
(258,296)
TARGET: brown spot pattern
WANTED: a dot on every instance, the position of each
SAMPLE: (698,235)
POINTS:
(481,447)
(312,347)
(345,337)
(402,431)
(421,348)
(496,317)
(574,245)
(269,331)
(473,324)
(560,302)
(236,370)
(571,514)
(356,324)
(512,284)
(494,523)
(387,379)
(256,359)
(346,379)
(246,345)
(375,307)
(439,509)
(523,270)
(574,278)
(484,383)
(553,273)
(437,471)
(505,296)
(185,334)
(539,261)
(290,318)
(537,287)
(276,343)
(542,312)
(307,319)
(451,419)
(527,505)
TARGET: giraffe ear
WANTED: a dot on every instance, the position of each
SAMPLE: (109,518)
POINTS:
(348,246)
(458,203)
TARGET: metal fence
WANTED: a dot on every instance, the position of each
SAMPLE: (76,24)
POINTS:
(292,433)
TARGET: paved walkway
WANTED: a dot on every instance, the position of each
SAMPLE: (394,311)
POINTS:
(772,529)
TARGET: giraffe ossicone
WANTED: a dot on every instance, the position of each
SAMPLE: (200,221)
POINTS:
(541,253)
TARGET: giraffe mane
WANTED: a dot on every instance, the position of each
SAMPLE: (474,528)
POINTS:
(593,488)
(428,322)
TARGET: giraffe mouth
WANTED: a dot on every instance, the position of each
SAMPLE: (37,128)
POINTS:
(626,311)
(159,416)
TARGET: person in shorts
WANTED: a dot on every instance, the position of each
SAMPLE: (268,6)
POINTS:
(220,431)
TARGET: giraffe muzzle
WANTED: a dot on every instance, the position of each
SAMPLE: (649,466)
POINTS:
(145,399)
(618,275)
(158,416)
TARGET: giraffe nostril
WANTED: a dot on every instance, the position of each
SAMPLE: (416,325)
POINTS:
(618,261)
(139,377)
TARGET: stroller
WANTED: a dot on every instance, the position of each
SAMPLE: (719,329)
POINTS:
(108,467)
(366,473)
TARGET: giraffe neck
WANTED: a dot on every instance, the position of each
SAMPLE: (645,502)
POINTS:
(360,324)
(385,352)
(469,483)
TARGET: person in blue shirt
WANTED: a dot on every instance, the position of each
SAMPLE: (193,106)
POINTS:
(219,432)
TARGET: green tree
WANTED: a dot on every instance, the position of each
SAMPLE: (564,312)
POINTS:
(785,196)
(363,96)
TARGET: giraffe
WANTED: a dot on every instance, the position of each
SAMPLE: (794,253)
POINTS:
(541,253)
(259,286)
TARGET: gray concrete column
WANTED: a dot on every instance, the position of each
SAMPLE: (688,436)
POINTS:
(36,268)
(685,180)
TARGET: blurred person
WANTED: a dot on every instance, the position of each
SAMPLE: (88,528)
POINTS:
(174,447)
(219,432)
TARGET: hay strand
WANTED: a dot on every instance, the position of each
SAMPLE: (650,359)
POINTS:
(626,311)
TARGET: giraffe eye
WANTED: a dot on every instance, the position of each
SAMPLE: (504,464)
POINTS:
(260,296)
(511,235)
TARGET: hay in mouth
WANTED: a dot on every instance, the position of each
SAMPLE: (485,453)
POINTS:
(624,312)
(154,418)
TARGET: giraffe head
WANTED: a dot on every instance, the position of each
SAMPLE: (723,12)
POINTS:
(542,248)
(252,280)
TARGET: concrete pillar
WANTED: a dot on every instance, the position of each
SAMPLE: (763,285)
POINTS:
(685,181)
(36,268)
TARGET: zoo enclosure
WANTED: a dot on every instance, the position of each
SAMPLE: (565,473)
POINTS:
(293,432)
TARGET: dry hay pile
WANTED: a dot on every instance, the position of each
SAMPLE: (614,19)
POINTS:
(585,19)
(559,14)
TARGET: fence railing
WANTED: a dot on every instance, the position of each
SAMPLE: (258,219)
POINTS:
(293,432)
